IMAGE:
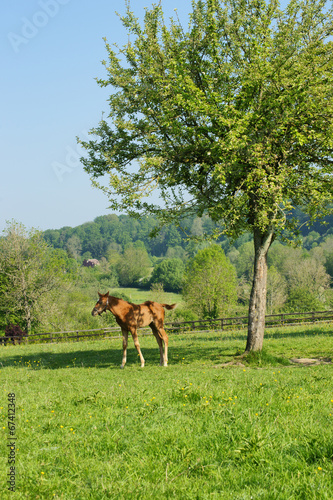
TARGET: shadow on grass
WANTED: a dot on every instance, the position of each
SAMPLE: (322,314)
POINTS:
(111,358)
(213,351)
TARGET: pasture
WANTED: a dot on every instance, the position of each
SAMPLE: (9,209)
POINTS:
(261,428)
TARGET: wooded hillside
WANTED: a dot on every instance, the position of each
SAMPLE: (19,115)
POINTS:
(112,232)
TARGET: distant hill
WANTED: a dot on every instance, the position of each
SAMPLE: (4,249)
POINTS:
(114,233)
(95,239)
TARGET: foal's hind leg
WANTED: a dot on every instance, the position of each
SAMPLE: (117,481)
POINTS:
(165,338)
(137,346)
(161,338)
(125,343)
(160,344)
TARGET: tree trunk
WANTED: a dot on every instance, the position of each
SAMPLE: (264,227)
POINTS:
(257,307)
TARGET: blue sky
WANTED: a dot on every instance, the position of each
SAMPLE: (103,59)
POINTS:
(51,52)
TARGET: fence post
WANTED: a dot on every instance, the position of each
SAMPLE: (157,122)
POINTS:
(222,324)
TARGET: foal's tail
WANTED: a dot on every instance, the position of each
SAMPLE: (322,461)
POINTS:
(167,306)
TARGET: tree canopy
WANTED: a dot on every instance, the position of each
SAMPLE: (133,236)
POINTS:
(232,117)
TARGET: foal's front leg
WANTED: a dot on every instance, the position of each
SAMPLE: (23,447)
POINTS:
(125,342)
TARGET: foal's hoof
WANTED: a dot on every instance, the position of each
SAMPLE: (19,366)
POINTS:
(122,367)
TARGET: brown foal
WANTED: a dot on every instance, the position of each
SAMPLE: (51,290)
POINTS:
(130,317)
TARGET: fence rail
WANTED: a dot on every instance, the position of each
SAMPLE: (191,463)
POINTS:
(237,322)
(220,324)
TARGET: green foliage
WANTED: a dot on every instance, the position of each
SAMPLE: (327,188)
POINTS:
(169,273)
(329,265)
(210,283)
(31,275)
(111,233)
(245,259)
(96,279)
(276,290)
(185,315)
(176,252)
(109,228)
(235,112)
(133,266)
(288,267)
(302,300)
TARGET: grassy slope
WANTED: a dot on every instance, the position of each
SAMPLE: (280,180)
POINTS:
(138,296)
(86,429)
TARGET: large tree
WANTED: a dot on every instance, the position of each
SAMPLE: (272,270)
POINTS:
(231,117)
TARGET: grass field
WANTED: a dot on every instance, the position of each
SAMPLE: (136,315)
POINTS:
(138,296)
(259,429)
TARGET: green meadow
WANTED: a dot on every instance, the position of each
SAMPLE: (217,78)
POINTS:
(212,425)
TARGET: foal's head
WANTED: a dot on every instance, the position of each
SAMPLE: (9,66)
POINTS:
(101,305)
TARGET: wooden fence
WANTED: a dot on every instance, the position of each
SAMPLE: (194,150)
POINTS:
(218,325)
(239,322)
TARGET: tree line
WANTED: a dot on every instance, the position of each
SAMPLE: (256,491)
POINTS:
(110,233)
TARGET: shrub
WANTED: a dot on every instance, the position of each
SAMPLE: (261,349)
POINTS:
(210,283)
(170,274)
(14,334)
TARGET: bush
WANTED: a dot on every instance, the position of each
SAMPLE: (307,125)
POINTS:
(14,334)
(210,283)
(170,274)
(302,300)
(185,315)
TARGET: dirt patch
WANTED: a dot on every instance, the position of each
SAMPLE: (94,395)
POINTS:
(293,361)
(311,361)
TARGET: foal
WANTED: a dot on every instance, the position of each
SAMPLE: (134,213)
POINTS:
(130,317)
